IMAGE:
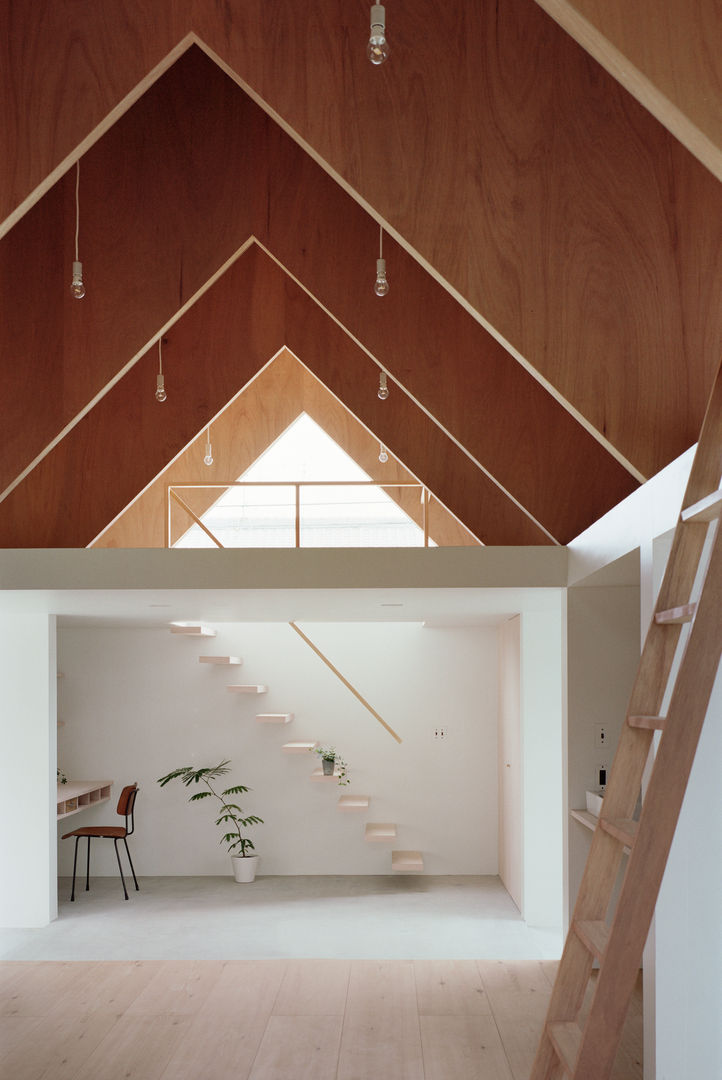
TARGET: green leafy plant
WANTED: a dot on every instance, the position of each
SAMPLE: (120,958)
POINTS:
(230,814)
(329,753)
(62,778)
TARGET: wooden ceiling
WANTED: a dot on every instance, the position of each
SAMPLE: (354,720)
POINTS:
(555,314)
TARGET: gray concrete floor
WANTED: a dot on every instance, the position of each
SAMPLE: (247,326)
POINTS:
(420,917)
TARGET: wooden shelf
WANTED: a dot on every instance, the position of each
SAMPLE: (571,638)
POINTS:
(378,832)
(225,660)
(78,795)
(193,631)
(240,688)
(407,862)
(318,774)
(706,509)
(274,717)
(298,747)
(589,821)
(352,802)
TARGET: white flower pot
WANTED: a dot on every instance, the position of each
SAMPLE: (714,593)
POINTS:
(244,869)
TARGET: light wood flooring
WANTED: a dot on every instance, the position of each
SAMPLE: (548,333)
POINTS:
(280,1020)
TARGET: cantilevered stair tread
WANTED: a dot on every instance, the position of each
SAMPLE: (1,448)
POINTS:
(298,747)
(223,660)
(647,723)
(407,862)
(624,829)
(706,509)
(243,688)
(566,1038)
(380,832)
(318,774)
(274,718)
(682,614)
(197,630)
(593,935)
(352,802)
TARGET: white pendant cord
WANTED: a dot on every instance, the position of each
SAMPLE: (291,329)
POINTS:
(77,206)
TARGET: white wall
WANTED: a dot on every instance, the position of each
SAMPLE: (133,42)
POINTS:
(27,793)
(510,762)
(137,704)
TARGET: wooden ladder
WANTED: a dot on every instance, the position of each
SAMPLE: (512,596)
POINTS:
(584,1047)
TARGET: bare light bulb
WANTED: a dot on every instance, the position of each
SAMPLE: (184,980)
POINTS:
(383,456)
(160,394)
(383,390)
(208,459)
(381,285)
(377,49)
(77,289)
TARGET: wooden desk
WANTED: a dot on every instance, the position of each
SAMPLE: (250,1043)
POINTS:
(78,795)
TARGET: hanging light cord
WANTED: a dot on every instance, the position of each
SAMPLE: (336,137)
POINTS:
(77,206)
(381,241)
(160,356)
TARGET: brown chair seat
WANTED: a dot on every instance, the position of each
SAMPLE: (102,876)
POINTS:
(110,832)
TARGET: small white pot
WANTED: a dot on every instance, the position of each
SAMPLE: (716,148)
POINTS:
(244,869)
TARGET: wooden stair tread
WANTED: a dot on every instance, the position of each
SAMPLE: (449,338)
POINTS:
(274,717)
(706,509)
(684,613)
(242,688)
(380,832)
(232,660)
(594,936)
(566,1038)
(319,774)
(623,829)
(298,747)
(352,802)
(647,723)
(407,862)
(196,630)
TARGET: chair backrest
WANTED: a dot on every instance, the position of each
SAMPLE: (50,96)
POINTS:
(126,805)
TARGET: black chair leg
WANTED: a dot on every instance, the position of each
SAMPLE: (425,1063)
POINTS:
(131,864)
(75,863)
(87,869)
(120,868)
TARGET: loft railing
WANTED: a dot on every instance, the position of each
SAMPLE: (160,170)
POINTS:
(178,495)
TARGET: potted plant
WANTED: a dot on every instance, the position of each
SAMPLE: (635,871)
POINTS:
(240,847)
(332,762)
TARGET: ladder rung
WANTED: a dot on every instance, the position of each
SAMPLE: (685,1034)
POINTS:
(624,829)
(648,723)
(683,613)
(594,936)
(566,1038)
(706,509)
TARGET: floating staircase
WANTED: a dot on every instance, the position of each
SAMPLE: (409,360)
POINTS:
(690,603)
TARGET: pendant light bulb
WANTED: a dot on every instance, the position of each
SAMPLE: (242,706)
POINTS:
(383,390)
(208,459)
(381,285)
(377,49)
(160,394)
(383,456)
(77,289)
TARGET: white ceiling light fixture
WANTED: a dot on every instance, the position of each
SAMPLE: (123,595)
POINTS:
(77,288)
(160,393)
(208,459)
(381,285)
(383,390)
(377,49)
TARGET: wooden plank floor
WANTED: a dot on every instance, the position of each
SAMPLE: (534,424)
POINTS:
(280,1020)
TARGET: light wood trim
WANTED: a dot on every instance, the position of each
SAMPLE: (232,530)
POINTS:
(684,613)
(650,723)
(622,829)
(184,505)
(566,1037)
(706,509)
(594,935)
(345,682)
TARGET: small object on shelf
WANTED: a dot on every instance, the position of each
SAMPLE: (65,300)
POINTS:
(332,764)
(594,802)
(275,718)
(407,862)
(225,660)
(352,802)
(380,832)
(195,630)
(297,747)
(238,688)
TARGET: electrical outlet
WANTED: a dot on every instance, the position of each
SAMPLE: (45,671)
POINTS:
(602,776)
(600,735)
(440,732)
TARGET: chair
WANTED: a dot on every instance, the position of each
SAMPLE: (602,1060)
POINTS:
(126,803)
